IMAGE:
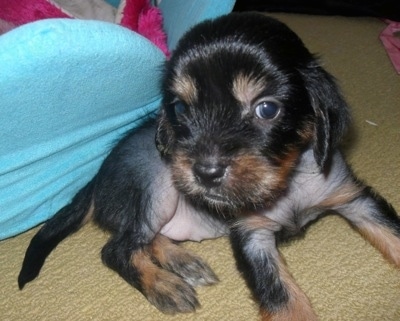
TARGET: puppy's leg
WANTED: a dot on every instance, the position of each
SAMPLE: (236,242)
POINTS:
(135,198)
(376,220)
(131,259)
(280,298)
(182,262)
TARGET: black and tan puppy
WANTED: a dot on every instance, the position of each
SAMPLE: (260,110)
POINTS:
(245,145)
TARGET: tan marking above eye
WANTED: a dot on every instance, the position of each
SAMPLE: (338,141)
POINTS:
(185,88)
(246,88)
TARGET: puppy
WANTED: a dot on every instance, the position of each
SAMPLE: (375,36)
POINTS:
(246,145)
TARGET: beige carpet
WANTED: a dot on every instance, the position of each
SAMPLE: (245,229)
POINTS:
(345,278)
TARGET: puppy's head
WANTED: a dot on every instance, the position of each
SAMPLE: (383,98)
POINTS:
(242,99)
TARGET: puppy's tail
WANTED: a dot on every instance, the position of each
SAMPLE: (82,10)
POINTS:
(66,221)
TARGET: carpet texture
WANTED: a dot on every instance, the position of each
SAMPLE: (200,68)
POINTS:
(344,277)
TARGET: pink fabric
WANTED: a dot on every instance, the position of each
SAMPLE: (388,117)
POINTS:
(131,12)
(150,26)
(390,38)
(138,15)
(19,12)
(141,17)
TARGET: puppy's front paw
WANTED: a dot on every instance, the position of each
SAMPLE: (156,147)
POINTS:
(289,316)
(192,269)
(182,262)
(169,293)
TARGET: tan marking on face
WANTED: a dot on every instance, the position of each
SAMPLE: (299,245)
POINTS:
(182,173)
(186,89)
(252,169)
(254,176)
(247,88)
(286,165)
(251,179)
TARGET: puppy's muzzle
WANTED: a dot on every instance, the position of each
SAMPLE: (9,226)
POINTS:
(209,173)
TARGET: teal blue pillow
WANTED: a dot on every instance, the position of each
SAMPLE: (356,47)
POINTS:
(69,89)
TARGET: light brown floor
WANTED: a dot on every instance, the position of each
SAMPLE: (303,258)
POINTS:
(344,277)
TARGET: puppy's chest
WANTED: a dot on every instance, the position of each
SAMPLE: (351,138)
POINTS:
(295,222)
(291,219)
(308,190)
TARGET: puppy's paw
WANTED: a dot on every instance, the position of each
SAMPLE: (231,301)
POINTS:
(170,293)
(182,262)
(192,269)
(285,316)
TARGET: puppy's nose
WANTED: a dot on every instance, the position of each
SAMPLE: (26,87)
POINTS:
(209,174)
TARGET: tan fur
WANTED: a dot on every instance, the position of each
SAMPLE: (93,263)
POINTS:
(256,171)
(158,284)
(147,269)
(347,192)
(253,169)
(165,252)
(160,247)
(299,307)
(182,163)
(257,222)
(286,165)
(181,171)
(384,240)
(186,89)
(247,88)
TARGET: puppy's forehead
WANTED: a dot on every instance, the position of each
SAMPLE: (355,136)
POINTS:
(218,79)
(244,88)
(221,69)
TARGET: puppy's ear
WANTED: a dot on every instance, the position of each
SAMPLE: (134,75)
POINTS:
(331,111)
(164,135)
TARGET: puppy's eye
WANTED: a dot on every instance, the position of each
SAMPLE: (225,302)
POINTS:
(179,107)
(267,110)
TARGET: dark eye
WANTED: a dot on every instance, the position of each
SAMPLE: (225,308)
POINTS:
(179,107)
(267,110)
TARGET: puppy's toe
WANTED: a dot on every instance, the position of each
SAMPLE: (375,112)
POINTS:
(170,293)
(193,270)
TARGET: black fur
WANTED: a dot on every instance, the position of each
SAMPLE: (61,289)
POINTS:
(261,267)
(123,179)
(69,220)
